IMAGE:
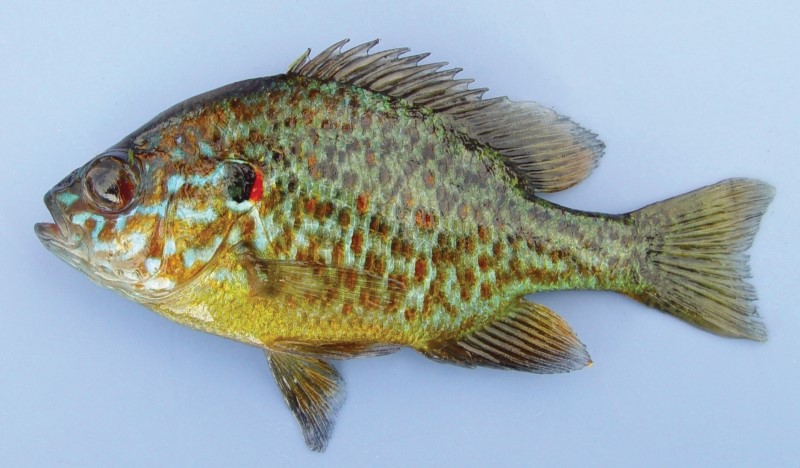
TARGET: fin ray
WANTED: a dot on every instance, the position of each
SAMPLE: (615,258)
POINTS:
(694,266)
(529,337)
(314,392)
(316,282)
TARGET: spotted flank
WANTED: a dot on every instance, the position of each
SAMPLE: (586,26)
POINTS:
(364,202)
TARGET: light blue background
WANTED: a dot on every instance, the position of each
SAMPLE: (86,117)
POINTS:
(683,94)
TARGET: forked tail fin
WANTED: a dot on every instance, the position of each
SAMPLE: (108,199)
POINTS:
(694,264)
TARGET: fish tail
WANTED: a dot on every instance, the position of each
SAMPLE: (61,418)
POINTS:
(692,260)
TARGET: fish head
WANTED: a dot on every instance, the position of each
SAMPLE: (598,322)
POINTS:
(145,224)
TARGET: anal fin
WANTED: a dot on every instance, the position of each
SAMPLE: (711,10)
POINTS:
(314,391)
(529,337)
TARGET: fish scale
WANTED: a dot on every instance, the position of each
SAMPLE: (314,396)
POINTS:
(364,202)
(332,166)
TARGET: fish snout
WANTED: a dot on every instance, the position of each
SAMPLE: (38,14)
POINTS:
(58,201)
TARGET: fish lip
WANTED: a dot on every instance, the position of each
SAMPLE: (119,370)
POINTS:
(48,232)
(57,233)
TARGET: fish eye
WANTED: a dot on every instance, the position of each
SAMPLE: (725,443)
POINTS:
(241,178)
(111,184)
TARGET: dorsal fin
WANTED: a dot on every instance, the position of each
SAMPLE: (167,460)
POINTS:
(547,151)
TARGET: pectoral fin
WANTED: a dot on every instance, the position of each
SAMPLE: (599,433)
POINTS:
(310,282)
(529,337)
(314,391)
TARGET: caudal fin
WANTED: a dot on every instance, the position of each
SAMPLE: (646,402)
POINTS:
(694,264)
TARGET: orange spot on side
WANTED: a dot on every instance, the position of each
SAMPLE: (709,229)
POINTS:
(371,158)
(362,203)
(430,180)
(351,280)
(344,219)
(357,244)
(312,250)
(311,205)
(469,245)
(424,219)
(420,269)
(347,308)
(407,249)
(337,255)
(497,249)
(486,291)
(323,210)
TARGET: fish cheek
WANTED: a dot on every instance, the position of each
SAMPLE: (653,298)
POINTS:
(195,231)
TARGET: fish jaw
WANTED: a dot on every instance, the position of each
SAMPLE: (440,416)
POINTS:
(57,236)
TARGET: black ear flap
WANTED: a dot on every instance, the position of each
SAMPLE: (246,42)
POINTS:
(240,178)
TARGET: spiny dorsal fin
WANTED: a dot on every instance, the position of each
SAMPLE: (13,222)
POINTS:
(547,151)
(529,337)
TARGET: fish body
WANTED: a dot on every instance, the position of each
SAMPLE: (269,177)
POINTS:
(360,183)
(363,202)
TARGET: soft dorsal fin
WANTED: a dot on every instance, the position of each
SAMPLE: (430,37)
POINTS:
(547,151)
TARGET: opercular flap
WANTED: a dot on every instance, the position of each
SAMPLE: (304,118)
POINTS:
(547,151)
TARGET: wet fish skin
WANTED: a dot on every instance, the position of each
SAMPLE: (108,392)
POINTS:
(362,202)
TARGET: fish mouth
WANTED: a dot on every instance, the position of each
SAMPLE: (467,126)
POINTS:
(56,236)
(49,232)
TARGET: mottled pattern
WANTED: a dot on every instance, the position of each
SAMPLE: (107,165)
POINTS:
(358,180)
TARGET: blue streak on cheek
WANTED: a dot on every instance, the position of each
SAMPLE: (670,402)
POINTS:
(99,222)
(174,183)
(159,209)
(120,223)
(67,198)
(81,218)
(192,256)
(152,265)
(169,247)
(176,154)
(212,178)
(98,226)
(206,150)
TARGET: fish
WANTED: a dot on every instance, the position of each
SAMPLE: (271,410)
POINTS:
(363,202)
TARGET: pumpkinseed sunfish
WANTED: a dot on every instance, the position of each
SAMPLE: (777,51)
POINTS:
(363,202)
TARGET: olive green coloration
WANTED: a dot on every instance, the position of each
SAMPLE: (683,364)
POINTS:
(364,202)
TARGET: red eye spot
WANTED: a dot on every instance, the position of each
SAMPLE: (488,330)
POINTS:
(258,187)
